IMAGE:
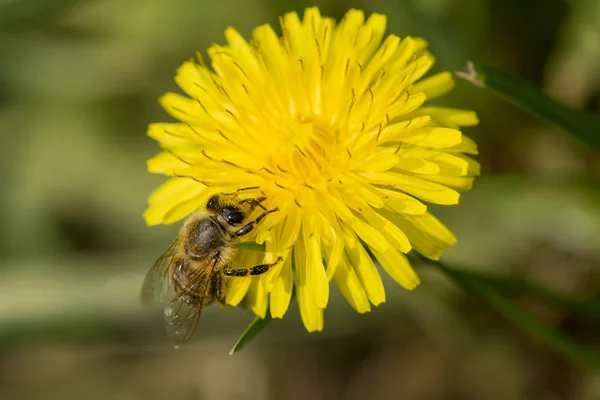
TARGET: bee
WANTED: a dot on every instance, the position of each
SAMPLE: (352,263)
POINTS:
(193,272)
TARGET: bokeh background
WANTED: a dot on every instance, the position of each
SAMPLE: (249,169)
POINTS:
(79,82)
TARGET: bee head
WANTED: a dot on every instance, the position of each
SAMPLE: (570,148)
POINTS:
(232,214)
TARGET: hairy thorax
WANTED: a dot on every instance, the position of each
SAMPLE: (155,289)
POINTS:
(205,239)
(204,252)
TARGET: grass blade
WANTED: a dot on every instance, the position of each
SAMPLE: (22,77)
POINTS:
(258,324)
(251,246)
(585,306)
(255,327)
(559,341)
(584,126)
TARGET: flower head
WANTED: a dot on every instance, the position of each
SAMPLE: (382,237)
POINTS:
(328,122)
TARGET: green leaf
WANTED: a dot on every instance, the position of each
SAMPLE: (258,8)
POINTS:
(251,332)
(585,306)
(251,246)
(255,327)
(258,324)
(530,98)
(559,341)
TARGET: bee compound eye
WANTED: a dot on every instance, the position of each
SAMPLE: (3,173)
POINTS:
(233,217)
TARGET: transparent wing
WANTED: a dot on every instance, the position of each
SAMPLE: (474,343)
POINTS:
(181,317)
(181,320)
(156,287)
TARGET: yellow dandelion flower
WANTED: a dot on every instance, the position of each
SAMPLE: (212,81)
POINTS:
(329,122)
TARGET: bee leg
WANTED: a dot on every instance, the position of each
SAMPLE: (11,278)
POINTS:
(256,270)
(244,230)
(248,188)
(220,285)
(254,203)
(241,190)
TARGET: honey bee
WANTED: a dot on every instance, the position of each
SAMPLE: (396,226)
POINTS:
(194,270)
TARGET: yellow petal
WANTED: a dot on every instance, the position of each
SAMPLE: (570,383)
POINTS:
(447,164)
(433,137)
(349,285)
(428,191)
(420,66)
(311,315)
(335,255)
(237,287)
(200,84)
(473,166)
(164,162)
(364,268)
(414,101)
(358,193)
(174,134)
(466,146)
(420,44)
(167,196)
(265,228)
(338,207)
(403,203)
(351,23)
(170,212)
(335,247)
(418,166)
(370,235)
(436,85)
(270,46)
(281,293)
(315,270)
(184,109)
(377,162)
(167,134)
(460,183)
(391,232)
(273,251)
(236,41)
(405,51)
(370,36)
(427,234)
(256,297)
(451,117)
(396,131)
(398,267)
(291,227)
(236,290)
(175,189)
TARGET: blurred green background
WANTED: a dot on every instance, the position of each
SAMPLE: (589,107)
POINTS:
(79,82)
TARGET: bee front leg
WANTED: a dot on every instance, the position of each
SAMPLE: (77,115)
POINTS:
(244,230)
(254,203)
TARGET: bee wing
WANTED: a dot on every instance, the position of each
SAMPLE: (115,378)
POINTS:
(156,286)
(181,318)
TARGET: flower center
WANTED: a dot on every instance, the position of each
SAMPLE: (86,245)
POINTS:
(304,153)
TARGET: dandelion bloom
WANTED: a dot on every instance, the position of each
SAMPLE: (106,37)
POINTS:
(329,122)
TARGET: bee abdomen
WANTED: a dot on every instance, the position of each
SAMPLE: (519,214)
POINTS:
(189,283)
